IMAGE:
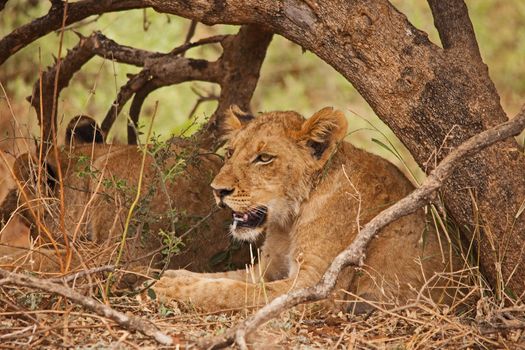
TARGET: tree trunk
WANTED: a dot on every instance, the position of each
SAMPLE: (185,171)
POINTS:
(432,98)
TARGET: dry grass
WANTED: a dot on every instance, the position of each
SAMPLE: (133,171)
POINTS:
(38,320)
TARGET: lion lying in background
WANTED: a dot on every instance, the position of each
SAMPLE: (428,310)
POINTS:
(298,182)
(99,184)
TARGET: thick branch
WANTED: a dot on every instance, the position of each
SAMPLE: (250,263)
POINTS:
(107,48)
(76,11)
(129,322)
(134,84)
(455,28)
(354,254)
(136,107)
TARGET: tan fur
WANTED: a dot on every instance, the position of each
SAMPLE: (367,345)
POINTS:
(96,210)
(318,191)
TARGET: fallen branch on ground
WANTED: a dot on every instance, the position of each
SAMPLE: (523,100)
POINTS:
(355,252)
(82,273)
(129,322)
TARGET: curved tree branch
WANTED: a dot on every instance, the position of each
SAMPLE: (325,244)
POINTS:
(167,68)
(161,71)
(135,108)
(107,48)
(87,48)
(354,254)
(77,11)
(134,84)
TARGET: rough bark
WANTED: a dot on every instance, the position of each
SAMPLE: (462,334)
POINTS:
(454,27)
(432,98)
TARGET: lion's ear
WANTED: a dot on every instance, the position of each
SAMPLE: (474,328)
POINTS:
(322,131)
(235,119)
(83,129)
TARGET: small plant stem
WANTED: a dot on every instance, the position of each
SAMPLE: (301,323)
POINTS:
(54,114)
(136,200)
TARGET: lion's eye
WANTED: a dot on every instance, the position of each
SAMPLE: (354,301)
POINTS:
(264,158)
(229,153)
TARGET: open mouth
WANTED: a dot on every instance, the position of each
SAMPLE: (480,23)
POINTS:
(251,218)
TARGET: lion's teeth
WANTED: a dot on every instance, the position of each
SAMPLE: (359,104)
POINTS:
(240,217)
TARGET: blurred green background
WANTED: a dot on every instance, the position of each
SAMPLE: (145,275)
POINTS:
(290,78)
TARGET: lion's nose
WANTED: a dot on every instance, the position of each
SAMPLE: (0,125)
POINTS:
(222,192)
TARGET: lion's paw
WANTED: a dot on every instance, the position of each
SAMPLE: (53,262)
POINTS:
(176,286)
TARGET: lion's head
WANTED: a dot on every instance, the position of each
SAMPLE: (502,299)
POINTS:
(272,162)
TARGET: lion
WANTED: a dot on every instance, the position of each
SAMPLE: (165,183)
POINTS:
(297,182)
(174,217)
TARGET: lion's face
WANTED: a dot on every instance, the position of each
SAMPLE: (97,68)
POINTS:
(271,163)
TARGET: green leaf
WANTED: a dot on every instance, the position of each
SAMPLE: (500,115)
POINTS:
(218,258)
(382,144)
(151,294)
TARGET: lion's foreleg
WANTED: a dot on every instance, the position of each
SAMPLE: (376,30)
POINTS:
(216,294)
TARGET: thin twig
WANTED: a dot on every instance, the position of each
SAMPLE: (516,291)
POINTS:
(181,50)
(190,34)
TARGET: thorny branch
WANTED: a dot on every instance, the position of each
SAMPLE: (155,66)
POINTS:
(354,253)
(130,322)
